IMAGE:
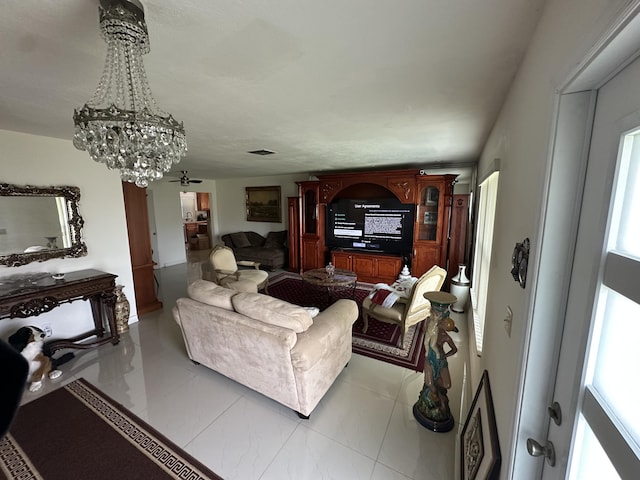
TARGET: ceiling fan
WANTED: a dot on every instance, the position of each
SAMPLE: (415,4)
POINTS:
(185,181)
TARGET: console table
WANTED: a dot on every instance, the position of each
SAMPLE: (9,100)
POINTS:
(30,295)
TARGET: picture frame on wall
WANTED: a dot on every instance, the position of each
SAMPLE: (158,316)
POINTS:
(263,204)
(480,457)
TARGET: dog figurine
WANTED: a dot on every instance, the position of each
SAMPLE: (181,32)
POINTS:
(29,341)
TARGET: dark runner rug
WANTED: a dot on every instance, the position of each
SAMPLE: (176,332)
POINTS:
(380,341)
(77,432)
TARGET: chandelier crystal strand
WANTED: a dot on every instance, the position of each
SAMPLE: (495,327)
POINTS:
(122,125)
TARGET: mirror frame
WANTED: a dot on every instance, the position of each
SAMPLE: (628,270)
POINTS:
(72,198)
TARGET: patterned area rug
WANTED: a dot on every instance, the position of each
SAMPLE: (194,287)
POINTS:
(380,341)
(76,432)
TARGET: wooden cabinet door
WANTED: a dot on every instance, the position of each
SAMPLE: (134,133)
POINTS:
(342,260)
(293,235)
(312,250)
(388,267)
(365,266)
(135,204)
(309,254)
(458,234)
(425,257)
(202,200)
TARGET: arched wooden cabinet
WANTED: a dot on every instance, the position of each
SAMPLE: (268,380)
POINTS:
(430,194)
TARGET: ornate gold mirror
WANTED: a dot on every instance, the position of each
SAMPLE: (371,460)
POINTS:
(38,224)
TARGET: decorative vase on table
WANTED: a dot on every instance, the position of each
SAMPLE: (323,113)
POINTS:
(432,408)
(331,269)
(460,285)
(405,274)
(122,310)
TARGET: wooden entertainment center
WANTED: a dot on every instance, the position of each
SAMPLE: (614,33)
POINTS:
(433,239)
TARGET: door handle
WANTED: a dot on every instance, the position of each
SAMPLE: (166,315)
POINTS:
(536,450)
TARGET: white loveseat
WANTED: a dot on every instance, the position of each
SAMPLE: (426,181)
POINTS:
(266,344)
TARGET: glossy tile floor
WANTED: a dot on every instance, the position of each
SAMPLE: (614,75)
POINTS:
(362,429)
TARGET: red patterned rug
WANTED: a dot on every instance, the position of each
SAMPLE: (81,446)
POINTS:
(380,341)
(77,432)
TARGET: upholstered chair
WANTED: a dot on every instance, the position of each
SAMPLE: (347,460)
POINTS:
(406,312)
(224,271)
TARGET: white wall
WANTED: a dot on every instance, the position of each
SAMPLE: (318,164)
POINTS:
(231,203)
(521,140)
(227,202)
(169,223)
(43,161)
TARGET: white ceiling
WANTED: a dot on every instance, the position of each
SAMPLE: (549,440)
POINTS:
(329,85)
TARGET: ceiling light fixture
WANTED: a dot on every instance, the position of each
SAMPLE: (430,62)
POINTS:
(121,125)
(262,151)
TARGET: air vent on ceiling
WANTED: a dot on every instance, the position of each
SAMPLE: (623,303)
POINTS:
(262,152)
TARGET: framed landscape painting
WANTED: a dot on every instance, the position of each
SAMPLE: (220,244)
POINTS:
(480,449)
(263,204)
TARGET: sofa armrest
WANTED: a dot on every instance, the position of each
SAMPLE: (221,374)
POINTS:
(328,330)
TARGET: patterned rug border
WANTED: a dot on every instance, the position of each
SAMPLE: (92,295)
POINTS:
(409,356)
(173,460)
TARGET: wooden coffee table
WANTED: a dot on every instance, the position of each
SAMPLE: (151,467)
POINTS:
(341,278)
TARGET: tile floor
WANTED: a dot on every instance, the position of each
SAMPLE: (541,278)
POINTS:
(362,429)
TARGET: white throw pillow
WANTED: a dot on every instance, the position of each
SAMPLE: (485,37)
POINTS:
(272,310)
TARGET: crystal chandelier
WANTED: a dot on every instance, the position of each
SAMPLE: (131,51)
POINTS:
(121,125)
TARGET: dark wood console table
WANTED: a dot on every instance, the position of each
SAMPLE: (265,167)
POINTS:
(30,295)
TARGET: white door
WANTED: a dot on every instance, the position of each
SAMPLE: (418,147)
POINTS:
(597,384)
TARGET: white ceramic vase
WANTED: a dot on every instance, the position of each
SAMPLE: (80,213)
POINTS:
(460,285)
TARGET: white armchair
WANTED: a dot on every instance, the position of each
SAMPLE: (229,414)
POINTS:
(406,312)
(222,269)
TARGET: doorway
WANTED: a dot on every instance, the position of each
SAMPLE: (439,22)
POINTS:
(196,223)
(603,312)
(574,260)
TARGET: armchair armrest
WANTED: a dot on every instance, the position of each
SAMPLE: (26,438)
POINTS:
(227,273)
(248,263)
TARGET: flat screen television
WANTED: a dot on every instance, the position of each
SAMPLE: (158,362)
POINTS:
(377,225)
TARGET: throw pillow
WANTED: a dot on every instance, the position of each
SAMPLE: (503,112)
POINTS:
(272,310)
(240,240)
(275,239)
(211,294)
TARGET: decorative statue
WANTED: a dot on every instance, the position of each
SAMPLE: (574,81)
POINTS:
(432,409)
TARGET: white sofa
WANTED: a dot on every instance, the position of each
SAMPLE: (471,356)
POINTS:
(266,344)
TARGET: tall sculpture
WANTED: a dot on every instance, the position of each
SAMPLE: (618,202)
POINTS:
(432,408)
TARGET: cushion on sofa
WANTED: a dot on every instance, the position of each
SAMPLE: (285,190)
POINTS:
(275,239)
(240,240)
(272,310)
(211,294)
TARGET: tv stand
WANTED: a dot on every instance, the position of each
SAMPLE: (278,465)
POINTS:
(370,267)
(438,238)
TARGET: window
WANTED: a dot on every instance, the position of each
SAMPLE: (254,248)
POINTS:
(488,194)
(609,425)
